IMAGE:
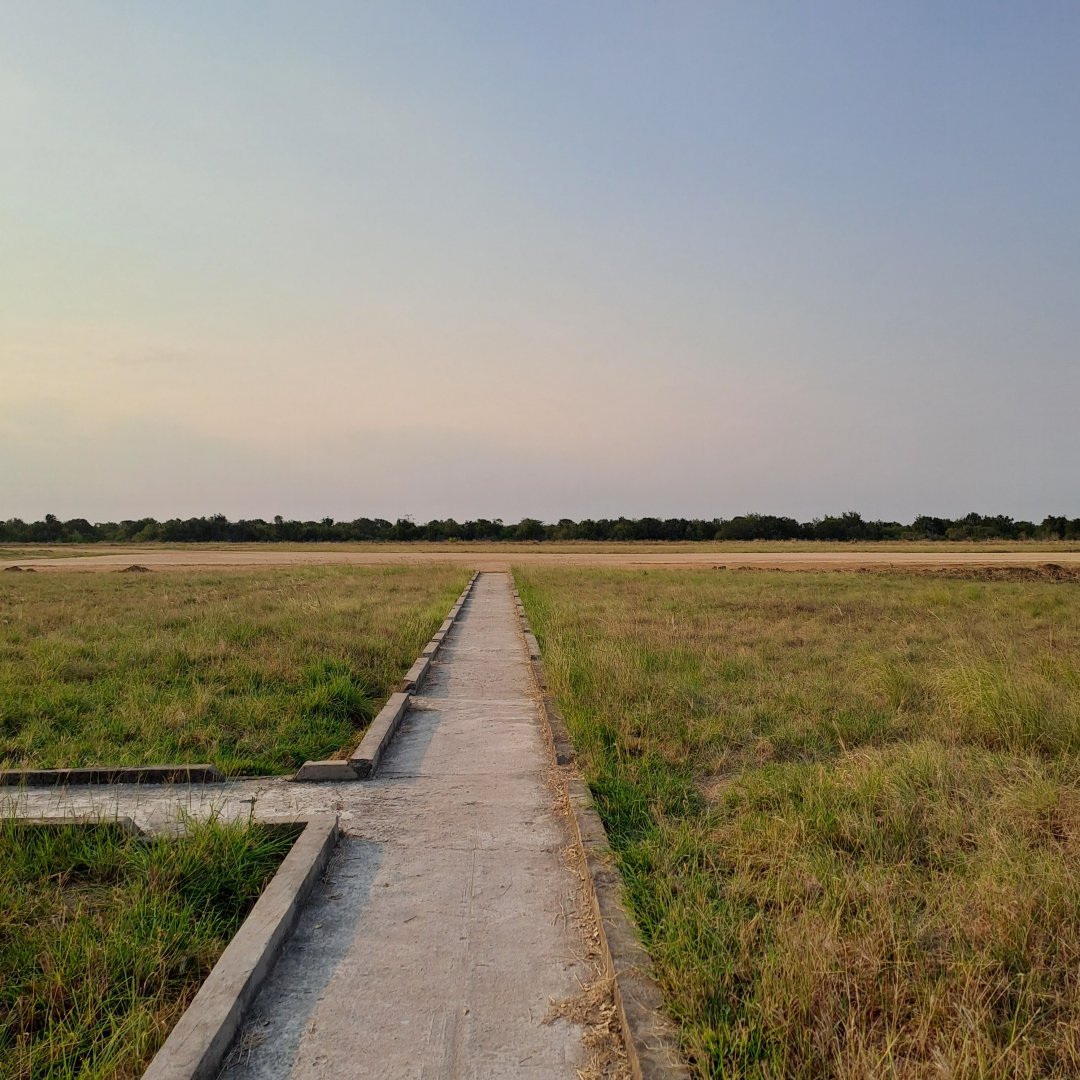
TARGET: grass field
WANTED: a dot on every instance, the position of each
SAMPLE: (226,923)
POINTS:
(106,936)
(18,553)
(846,807)
(255,671)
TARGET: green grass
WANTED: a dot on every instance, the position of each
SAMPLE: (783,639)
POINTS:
(846,808)
(255,671)
(105,937)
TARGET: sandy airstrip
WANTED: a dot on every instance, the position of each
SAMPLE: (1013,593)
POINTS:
(503,556)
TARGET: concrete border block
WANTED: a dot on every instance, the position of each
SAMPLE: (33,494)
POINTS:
(651,1041)
(366,757)
(315,771)
(414,677)
(56,821)
(113,774)
(198,1043)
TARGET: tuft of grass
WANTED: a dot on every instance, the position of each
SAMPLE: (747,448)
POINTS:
(254,671)
(846,809)
(106,936)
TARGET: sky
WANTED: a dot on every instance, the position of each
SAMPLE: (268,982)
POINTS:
(567,259)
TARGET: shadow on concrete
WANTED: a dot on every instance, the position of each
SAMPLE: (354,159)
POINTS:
(404,759)
(270,1043)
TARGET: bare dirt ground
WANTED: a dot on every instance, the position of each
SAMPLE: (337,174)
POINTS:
(500,557)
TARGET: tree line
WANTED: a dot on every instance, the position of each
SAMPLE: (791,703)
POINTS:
(848,526)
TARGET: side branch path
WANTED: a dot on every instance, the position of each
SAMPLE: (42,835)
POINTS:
(447,925)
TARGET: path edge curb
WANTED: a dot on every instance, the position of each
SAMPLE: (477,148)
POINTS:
(112,774)
(364,760)
(201,1038)
(648,1034)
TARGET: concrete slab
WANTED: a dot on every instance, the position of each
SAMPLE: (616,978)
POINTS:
(330,769)
(470,743)
(479,678)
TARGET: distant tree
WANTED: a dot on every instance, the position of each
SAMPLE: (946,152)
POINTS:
(930,528)
(403,529)
(848,526)
(529,529)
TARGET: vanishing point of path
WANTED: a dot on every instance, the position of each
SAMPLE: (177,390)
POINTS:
(448,921)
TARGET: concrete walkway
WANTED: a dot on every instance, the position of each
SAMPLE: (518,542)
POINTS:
(447,924)
(436,951)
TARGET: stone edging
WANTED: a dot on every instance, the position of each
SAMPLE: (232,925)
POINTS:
(197,1045)
(54,821)
(364,760)
(651,1045)
(112,774)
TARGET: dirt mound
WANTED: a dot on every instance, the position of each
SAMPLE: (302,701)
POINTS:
(19,570)
(1046,572)
(134,568)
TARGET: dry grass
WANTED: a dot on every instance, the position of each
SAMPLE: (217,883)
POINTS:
(847,808)
(255,671)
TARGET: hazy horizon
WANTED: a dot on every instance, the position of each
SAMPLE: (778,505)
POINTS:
(270,519)
(562,260)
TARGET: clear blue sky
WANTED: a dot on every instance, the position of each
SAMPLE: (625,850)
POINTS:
(557,259)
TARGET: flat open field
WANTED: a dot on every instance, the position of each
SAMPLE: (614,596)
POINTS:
(106,936)
(846,807)
(790,555)
(254,671)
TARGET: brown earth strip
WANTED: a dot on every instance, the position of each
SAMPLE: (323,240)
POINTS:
(641,557)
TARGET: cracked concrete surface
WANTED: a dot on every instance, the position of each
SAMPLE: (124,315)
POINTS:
(447,923)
